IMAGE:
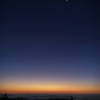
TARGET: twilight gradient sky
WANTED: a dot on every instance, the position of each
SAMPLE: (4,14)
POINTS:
(50,46)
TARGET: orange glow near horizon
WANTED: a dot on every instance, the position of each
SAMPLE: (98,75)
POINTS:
(48,88)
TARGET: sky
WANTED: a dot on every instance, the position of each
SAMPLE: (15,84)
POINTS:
(50,46)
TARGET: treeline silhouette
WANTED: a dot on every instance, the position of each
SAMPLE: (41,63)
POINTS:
(5,97)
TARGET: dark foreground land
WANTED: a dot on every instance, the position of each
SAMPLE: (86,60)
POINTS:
(6,97)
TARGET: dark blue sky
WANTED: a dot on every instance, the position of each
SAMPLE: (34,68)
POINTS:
(50,40)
